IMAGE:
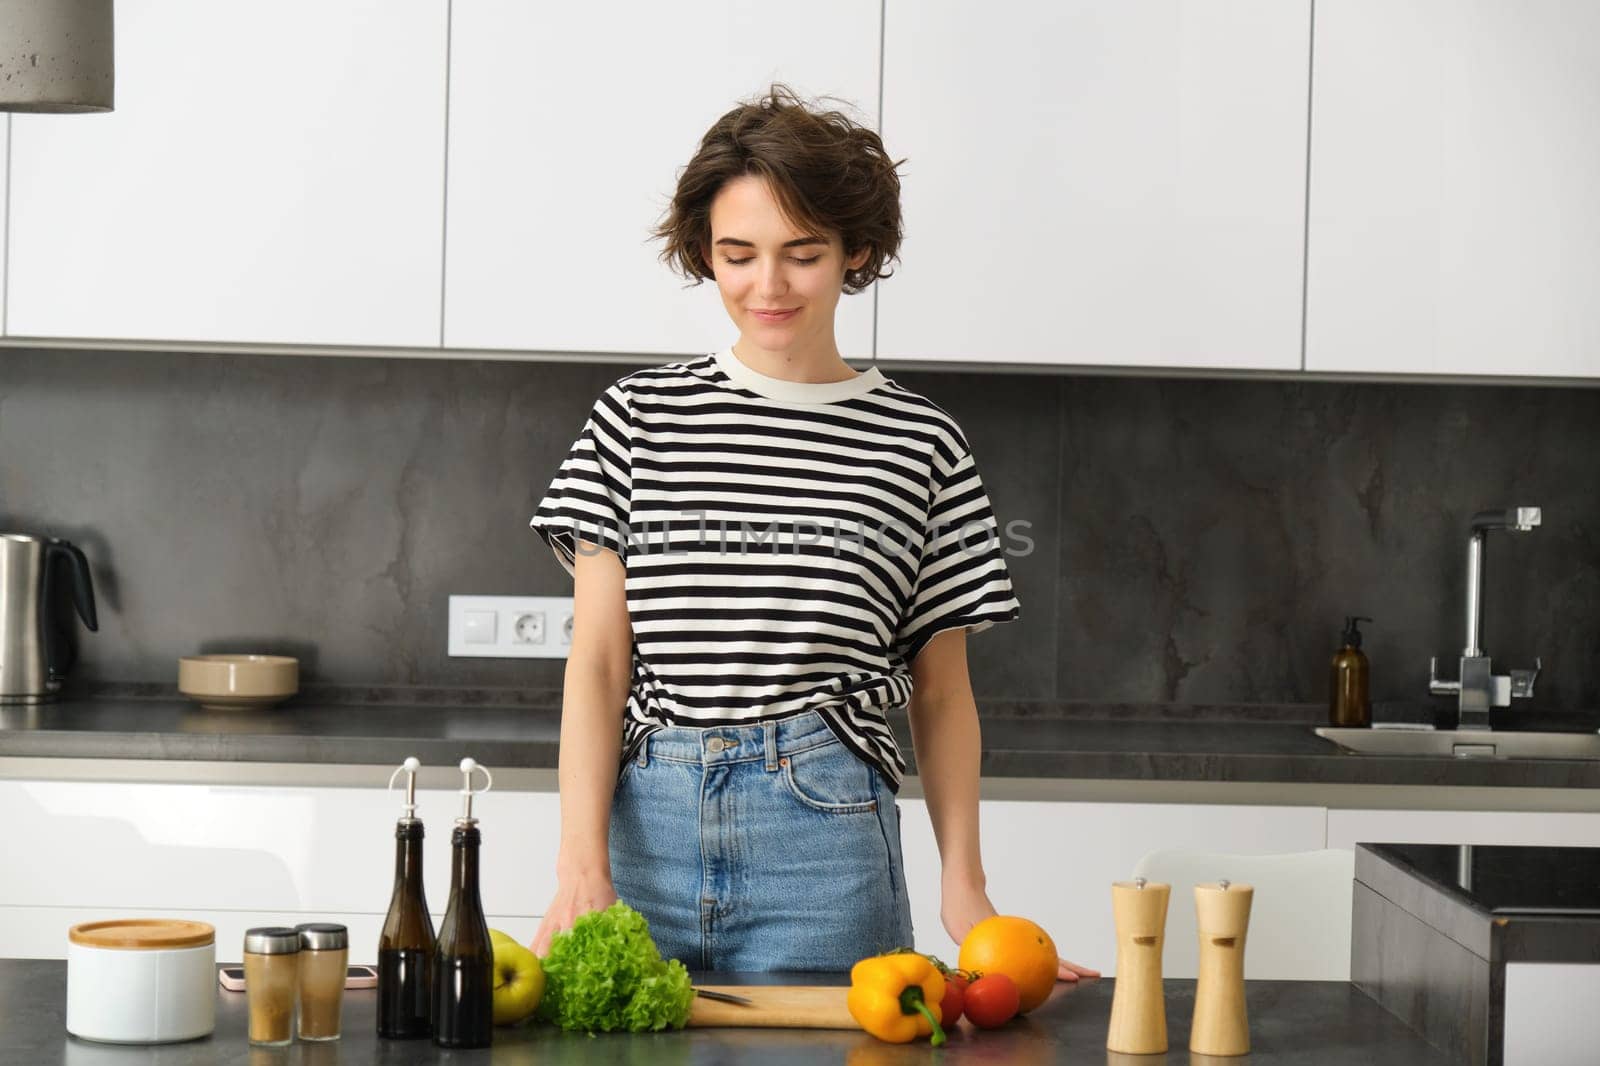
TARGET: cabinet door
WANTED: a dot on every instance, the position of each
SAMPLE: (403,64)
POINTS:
(1576,829)
(169,848)
(273,173)
(1098,182)
(569,124)
(1054,862)
(1453,225)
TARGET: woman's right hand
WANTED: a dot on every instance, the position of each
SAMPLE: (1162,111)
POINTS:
(578,896)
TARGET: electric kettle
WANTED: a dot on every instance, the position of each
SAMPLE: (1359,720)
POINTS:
(36,639)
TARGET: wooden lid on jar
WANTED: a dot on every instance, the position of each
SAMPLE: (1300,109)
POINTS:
(143,934)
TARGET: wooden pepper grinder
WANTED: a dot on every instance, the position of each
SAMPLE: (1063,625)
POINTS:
(1138,1005)
(1222,913)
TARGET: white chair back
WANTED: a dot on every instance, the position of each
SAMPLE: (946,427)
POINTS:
(1299,915)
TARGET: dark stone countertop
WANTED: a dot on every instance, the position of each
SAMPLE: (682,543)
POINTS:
(1021,739)
(1292,1023)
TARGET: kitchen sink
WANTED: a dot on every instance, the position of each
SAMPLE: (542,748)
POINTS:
(1466,744)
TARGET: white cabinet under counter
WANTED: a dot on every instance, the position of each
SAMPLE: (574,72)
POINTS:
(569,125)
(273,173)
(1055,862)
(247,854)
(241,855)
(1098,183)
(240,843)
(1347,828)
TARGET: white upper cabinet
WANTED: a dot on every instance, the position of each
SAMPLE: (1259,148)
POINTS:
(569,124)
(1454,224)
(273,173)
(1097,181)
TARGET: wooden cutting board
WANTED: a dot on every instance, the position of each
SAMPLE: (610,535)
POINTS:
(775,1007)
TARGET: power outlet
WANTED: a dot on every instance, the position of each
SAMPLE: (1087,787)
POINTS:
(511,627)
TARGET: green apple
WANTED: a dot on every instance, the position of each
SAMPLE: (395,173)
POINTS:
(518,979)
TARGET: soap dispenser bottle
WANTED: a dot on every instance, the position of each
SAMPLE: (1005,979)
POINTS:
(1348,701)
(463,961)
(405,947)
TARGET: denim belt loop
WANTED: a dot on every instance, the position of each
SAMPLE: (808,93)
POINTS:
(769,733)
(644,751)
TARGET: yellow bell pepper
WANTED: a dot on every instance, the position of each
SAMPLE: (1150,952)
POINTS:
(896,997)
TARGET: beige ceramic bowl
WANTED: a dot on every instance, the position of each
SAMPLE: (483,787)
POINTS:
(233,682)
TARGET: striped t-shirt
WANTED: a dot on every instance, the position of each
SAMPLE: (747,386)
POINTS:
(788,546)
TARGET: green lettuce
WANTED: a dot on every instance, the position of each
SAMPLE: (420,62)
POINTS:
(605,974)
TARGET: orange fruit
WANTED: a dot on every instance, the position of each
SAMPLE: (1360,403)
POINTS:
(1017,948)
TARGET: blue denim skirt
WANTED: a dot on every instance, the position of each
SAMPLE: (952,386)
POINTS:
(760,847)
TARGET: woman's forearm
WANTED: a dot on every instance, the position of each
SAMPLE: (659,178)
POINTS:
(949,746)
(591,745)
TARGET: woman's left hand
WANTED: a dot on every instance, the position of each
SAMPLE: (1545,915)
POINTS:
(965,905)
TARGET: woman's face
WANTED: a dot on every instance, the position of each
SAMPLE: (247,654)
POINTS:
(761,263)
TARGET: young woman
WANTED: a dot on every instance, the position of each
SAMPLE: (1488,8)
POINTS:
(771,551)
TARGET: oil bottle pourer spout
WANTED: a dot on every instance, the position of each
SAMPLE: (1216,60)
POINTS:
(409,768)
(468,765)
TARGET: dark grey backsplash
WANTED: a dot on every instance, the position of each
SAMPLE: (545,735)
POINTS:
(1194,541)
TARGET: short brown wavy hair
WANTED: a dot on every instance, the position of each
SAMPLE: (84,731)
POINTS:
(829,174)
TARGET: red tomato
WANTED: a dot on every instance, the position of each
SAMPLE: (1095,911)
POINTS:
(992,1000)
(954,1000)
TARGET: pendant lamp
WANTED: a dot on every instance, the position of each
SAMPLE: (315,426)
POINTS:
(56,55)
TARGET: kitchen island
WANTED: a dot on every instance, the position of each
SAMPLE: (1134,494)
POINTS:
(1302,1023)
(1492,953)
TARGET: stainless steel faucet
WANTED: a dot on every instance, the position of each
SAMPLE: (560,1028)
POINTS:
(1478,686)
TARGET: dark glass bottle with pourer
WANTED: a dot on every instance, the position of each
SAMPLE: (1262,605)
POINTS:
(405,947)
(463,961)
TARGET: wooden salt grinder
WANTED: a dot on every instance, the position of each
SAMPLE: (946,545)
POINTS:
(1138,1006)
(1222,915)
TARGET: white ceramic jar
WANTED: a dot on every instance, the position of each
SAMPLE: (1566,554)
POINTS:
(141,980)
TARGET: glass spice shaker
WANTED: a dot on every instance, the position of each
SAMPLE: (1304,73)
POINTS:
(324,953)
(271,971)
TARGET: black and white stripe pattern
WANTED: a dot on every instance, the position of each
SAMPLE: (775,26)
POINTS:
(789,546)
